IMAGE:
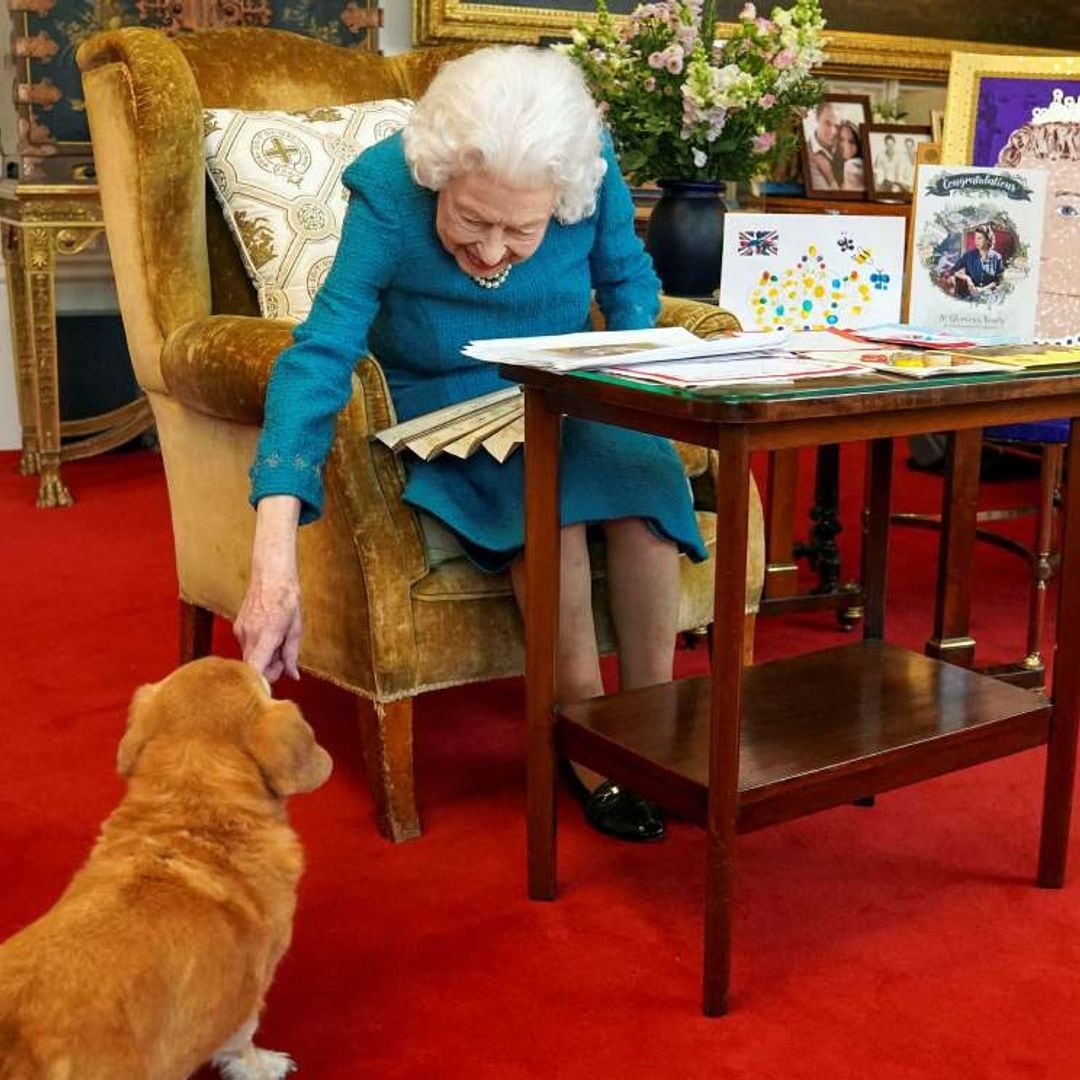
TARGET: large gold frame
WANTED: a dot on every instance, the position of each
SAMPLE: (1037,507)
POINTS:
(962,100)
(875,55)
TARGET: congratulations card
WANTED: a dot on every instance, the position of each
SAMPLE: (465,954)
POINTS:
(978,241)
(812,271)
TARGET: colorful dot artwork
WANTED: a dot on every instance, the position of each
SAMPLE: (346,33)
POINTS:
(812,295)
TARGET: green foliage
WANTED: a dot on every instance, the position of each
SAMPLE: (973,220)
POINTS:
(682,104)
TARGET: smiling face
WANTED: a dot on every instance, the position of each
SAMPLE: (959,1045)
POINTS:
(487,225)
(826,129)
(849,141)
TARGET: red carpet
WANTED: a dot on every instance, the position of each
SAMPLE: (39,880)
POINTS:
(904,941)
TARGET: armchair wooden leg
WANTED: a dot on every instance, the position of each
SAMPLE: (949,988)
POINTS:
(196,631)
(386,731)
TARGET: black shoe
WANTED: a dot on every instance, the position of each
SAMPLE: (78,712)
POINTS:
(613,810)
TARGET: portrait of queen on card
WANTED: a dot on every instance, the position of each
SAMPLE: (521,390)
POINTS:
(1049,140)
(976,263)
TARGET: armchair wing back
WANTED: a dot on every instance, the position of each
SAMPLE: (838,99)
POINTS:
(379,620)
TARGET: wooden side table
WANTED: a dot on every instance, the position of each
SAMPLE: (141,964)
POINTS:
(782,550)
(41,222)
(744,749)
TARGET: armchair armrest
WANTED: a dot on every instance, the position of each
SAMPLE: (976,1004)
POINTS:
(705,320)
(220,366)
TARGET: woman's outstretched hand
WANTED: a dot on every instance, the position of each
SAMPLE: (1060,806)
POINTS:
(269,625)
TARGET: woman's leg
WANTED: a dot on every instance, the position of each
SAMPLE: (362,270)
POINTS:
(577,667)
(643,591)
(610,808)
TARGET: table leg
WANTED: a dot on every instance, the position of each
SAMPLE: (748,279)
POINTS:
(952,640)
(542,553)
(875,539)
(732,508)
(781,570)
(823,548)
(1043,551)
(22,352)
(1061,749)
(38,260)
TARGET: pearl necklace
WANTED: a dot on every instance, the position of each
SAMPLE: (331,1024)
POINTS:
(495,280)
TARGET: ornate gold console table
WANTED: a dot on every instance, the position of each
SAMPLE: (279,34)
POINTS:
(41,222)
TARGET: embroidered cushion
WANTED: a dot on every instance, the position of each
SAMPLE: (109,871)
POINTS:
(277,176)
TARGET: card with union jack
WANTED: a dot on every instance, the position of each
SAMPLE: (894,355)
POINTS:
(759,242)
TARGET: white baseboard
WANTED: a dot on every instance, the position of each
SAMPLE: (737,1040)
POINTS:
(84,286)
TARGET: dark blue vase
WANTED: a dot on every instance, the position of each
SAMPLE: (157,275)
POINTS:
(685,237)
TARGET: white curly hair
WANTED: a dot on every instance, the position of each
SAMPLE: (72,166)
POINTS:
(521,114)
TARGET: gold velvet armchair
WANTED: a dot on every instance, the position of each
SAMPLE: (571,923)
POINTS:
(378,620)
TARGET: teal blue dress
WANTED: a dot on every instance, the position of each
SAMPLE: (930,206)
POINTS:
(395,291)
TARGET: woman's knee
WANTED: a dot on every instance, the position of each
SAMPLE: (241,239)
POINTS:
(637,531)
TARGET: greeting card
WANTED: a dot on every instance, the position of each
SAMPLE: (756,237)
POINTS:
(812,271)
(978,241)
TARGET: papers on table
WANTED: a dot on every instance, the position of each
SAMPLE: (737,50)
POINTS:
(775,368)
(599,349)
(922,337)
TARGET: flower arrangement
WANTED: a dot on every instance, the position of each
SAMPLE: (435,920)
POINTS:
(683,104)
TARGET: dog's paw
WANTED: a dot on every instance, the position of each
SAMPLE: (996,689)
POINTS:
(256,1064)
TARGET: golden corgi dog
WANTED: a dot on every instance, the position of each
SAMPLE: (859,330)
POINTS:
(157,957)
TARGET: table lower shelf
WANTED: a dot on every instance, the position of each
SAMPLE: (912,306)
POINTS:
(818,730)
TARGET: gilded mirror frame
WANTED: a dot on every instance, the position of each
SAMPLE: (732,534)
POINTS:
(922,59)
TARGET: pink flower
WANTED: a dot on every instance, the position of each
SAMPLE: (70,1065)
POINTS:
(675,61)
(748,13)
(656,60)
(767,101)
(764,143)
(765,26)
(785,58)
(650,83)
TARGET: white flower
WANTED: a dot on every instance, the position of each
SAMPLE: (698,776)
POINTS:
(700,157)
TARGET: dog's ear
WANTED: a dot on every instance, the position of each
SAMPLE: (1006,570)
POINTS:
(138,732)
(283,744)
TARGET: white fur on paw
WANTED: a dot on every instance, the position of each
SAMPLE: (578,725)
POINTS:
(257,1064)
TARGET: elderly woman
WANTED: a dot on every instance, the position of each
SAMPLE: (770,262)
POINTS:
(497,212)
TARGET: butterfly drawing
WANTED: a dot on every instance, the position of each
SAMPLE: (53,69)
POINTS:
(845,243)
(880,280)
(759,242)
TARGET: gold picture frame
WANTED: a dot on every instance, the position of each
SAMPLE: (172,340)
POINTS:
(860,54)
(967,73)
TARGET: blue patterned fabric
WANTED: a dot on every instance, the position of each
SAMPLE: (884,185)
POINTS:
(1038,431)
(395,290)
(59,29)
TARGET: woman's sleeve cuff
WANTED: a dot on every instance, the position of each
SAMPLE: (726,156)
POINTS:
(275,475)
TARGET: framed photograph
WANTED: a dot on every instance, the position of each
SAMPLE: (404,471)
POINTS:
(833,154)
(1024,113)
(892,157)
(880,40)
